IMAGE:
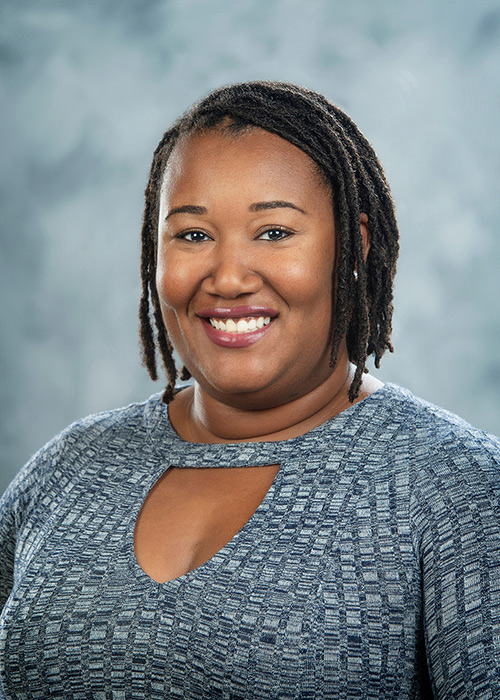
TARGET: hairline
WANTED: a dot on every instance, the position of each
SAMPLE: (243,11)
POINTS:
(230,128)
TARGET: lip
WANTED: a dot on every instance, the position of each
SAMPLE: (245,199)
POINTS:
(234,340)
(237,312)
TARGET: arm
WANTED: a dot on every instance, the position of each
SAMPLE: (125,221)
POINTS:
(24,494)
(458,507)
(7,546)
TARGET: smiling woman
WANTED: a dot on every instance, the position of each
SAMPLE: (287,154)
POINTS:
(287,526)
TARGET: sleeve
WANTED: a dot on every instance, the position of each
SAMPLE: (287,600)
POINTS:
(458,505)
(23,499)
(36,491)
(7,546)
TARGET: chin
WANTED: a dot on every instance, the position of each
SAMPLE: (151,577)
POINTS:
(227,389)
(239,392)
(235,377)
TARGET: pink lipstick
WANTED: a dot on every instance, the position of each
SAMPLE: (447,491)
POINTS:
(237,327)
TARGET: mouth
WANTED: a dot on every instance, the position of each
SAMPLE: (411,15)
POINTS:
(238,327)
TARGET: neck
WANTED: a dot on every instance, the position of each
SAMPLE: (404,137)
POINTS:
(199,417)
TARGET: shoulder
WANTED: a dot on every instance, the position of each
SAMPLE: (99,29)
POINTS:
(90,439)
(398,427)
(453,471)
(429,430)
(442,448)
(443,463)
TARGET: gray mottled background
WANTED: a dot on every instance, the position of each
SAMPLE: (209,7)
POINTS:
(88,88)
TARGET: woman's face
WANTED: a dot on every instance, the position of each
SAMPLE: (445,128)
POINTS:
(244,272)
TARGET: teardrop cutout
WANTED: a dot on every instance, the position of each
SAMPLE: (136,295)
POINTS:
(190,514)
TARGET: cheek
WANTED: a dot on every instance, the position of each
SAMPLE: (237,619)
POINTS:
(311,284)
(171,303)
(167,291)
(172,281)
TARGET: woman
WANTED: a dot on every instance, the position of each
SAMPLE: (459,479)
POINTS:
(287,527)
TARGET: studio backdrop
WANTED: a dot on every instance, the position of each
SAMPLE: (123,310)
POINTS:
(87,91)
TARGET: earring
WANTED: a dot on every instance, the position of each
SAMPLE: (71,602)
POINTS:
(355,273)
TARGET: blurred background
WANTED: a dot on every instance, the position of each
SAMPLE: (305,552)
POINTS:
(87,90)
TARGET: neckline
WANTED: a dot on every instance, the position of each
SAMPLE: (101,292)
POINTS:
(170,449)
(165,440)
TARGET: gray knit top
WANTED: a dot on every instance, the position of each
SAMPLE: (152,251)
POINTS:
(371,569)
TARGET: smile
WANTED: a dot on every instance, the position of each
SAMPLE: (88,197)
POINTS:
(239,325)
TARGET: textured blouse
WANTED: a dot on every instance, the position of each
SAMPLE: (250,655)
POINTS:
(371,569)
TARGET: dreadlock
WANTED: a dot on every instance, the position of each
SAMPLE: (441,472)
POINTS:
(362,292)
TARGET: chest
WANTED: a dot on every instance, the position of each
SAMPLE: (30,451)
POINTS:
(190,514)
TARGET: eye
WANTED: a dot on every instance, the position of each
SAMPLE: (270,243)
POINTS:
(193,236)
(274,234)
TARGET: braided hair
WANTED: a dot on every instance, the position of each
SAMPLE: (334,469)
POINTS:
(362,291)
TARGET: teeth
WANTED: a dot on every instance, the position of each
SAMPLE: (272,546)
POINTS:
(240,325)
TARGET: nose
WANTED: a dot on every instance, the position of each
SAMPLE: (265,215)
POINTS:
(232,274)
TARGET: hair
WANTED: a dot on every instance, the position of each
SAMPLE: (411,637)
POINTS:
(362,291)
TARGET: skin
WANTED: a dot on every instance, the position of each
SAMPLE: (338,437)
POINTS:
(220,247)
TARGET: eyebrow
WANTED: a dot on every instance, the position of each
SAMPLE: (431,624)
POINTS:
(257,206)
(187,209)
(275,204)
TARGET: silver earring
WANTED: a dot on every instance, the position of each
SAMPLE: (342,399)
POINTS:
(355,273)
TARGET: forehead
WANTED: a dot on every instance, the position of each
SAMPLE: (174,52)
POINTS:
(255,156)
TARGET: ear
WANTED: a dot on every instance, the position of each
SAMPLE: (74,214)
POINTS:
(365,234)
